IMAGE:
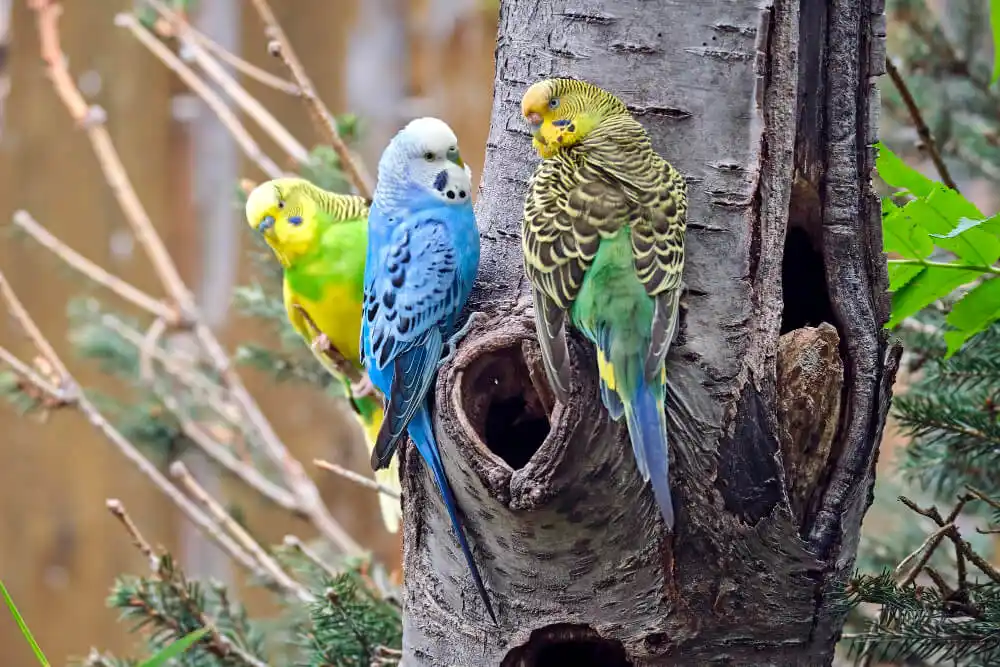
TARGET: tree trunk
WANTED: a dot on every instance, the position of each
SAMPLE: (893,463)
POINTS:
(780,376)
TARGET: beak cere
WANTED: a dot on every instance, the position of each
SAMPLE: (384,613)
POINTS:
(265,224)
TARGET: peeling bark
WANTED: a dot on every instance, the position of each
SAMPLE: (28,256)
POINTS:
(769,113)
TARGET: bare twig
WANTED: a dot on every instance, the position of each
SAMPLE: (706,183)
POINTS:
(24,221)
(214,101)
(918,122)
(31,376)
(925,551)
(356,478)
(239,64)
(116,508)
(267,563)
(281,47)
(219,453)
(47,14)
(247,102)
(329,351)
(71,395)
(294,542)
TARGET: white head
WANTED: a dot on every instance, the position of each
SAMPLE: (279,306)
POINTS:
(423,156)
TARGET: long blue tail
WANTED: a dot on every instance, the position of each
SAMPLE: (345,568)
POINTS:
(422,433)
(647,428)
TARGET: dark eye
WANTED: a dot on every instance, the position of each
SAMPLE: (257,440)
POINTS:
(554,103)
(429,156)
(281,204)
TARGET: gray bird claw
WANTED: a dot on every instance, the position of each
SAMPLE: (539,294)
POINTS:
(320,344)
(362,387)
(456,338)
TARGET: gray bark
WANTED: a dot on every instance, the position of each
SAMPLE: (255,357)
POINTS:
(770,114)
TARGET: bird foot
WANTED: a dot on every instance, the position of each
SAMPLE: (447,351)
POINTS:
(456,338)
(320,344)
(362,387)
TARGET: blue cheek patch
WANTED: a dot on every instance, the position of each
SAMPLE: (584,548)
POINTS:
(295,219)
(441,181)
(562,122)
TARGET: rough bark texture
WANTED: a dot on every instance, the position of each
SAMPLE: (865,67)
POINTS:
(770,114)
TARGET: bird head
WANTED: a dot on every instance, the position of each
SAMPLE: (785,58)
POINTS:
(280,210)
(561,112)
(424,157)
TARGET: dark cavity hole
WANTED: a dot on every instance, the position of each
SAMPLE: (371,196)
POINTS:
(803,282)
(565,644)
(503,406)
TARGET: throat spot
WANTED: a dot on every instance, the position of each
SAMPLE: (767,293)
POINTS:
(441,181)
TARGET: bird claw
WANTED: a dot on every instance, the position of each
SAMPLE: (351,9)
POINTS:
(456,338)
(362,387)
(320,344)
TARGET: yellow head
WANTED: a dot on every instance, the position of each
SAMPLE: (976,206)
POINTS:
(561,112)
(283,211)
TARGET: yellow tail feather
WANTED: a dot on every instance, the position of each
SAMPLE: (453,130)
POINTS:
(392,511)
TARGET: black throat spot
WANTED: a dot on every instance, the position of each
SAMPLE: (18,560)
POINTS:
(441,180)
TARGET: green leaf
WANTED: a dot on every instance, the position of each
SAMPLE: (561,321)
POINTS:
(898,174)
(941,213)
(931,284)
(902,234)
(901,274)
(972,314)
(175,649)
(995,25)
(23,626)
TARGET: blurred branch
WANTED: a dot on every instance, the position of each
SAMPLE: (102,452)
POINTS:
(249,104)
(918,122)
(73,259)
(301,486)
(214,101)
(6,18)
(69,394)
(165,29)
(281,47)
(182,475)
(356,478)
(116,507)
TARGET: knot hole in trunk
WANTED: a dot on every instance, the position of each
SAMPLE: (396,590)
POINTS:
(566,644)
(506,402)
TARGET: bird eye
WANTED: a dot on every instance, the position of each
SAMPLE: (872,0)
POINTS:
(554,103)
(281,204)
(429,156)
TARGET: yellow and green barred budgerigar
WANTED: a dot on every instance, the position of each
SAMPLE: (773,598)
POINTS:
(321,239)
(603,241)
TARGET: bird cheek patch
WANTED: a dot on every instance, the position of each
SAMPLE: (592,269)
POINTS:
(441,180)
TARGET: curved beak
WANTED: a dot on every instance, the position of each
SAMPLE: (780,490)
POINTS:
(265,224)
(457,159)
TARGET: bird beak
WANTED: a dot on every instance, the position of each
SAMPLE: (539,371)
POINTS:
(458,160)
(534,119)
(266,223)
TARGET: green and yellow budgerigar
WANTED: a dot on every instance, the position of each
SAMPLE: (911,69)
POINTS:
(320,239)
(603,241)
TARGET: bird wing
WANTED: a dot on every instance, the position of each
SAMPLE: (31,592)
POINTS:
(620,150)
(414,291)
(568,210)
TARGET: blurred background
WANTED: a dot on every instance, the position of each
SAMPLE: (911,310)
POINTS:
(386,61)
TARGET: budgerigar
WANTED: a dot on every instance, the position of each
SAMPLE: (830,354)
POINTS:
(423,254)
(320,239)
(603,241)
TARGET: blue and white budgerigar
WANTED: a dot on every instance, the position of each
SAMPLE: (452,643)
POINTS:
(423,254)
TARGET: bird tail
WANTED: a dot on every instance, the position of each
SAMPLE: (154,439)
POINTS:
(369,413)
(647,428)
(422,433)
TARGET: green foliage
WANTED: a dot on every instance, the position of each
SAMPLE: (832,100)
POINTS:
(918,623)
(937,217)
(995,27)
